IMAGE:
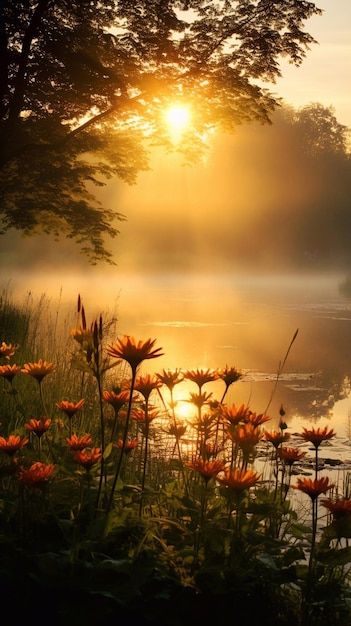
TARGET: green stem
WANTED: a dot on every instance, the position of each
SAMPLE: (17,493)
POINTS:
(316,465)
(125,435)
(276,472)
(203,506)
(102,435)
(232,455)
(280,371)
(42,399)
(178,447)
(114,425)
(202,520)
(314,531)
(145,459)
(219,416)
(198,437)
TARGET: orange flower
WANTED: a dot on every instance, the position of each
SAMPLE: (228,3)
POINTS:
(38,427)
(9,371)
(70,408)
(215,406)
(117,400)
(238,480)
(38,370)
(77,443)
(176,430)
(200,376)
(290,455)
(205,424)
(122,415)
(207,469)
(256,419)
(146,384)
(229,375)
(134,352)
(37,474)
(317,435)
(170,378)
(313,488)
(276,437)
(130,445)
(199,399)
(234,414)
(88,457)
(339,508)
(84,336)
(7,350)
(246,436)
(139,415)
(12,444)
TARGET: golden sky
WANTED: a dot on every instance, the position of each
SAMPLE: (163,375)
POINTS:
(325,74)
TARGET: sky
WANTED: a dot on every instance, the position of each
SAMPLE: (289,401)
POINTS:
(183,218)
(325,74)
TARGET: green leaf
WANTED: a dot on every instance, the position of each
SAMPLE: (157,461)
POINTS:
(300,531)
(108,450)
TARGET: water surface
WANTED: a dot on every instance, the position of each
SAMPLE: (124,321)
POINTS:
(242,321)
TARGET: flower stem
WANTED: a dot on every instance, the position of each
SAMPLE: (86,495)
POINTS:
(102,436)
(125,434)
(145,460)
(42,398)
(314,531)
(178,447)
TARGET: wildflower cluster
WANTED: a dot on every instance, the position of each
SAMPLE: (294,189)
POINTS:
(218,476)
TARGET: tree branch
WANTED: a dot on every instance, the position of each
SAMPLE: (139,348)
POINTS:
(17,151)
(20,80)
(235,30)
(3,60)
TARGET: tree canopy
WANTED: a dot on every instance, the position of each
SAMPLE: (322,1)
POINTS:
(83,85)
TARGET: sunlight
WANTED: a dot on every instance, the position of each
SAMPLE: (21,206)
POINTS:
(177,118)
(184,410)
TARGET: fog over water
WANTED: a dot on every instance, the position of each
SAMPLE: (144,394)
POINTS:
(209,321)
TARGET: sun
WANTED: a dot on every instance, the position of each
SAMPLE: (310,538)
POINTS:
(184,410)
(177,118)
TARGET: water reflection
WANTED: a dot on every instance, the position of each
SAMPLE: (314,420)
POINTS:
(244,321)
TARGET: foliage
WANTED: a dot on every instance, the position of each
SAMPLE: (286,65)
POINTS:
(83,86)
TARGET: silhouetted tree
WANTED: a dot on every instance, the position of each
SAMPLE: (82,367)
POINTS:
(319,130)
(83,85)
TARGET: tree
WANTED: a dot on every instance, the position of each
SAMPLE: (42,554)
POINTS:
(320,131)
(83,85)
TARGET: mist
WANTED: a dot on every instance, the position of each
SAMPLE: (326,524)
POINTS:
(268,198)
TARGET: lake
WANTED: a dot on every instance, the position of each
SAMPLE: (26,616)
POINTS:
(246,321)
